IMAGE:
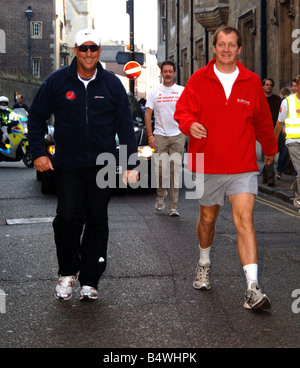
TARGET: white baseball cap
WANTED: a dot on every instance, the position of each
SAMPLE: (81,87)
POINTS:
(87,34)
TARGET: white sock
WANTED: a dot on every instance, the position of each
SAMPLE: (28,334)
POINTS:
(204,256)
(250,272)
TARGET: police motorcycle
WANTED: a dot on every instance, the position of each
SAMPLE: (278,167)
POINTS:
(16,146)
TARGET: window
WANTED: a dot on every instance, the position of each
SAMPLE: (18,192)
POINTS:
(185,67)
(36,29)
(2,42)
(173,13)
(286,22)
(200,53)
(247,26)
(61,28)
(36,67)
(185,7)
(163,17)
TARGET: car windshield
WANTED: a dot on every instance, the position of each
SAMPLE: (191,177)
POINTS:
(136,111)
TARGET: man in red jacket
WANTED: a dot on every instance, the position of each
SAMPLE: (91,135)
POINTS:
(224,111)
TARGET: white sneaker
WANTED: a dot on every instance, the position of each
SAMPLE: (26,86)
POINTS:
(201,280)
(297,202)
(64,287)
(160,202)
(88,293)
(173,212)
(256,299)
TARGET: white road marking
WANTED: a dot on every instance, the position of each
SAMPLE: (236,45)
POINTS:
(31,220)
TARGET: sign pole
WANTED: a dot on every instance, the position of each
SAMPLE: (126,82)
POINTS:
(130,11)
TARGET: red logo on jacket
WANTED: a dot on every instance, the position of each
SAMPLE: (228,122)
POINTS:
(71,95)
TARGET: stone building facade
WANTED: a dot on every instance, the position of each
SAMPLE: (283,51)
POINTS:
(270,29)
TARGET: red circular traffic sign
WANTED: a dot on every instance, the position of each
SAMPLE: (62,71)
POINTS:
(132,70)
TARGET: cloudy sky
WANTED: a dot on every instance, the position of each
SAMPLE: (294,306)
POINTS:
(112,21)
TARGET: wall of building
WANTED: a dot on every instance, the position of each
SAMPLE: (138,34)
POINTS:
(191,25)
(10,86)
(60,20)
(16,59)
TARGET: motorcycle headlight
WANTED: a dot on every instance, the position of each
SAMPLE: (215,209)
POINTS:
(51,150)
(145,151)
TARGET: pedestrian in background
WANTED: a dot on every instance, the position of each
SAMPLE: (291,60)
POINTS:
(224,110)
(290,117)
(20,104)
(293,86)
(274,101)
(142,103)
(166,137)
(90,106)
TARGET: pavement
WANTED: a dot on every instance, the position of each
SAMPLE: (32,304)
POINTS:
(282,188)
(146,295)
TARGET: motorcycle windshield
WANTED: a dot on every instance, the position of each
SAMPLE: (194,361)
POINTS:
(20,115)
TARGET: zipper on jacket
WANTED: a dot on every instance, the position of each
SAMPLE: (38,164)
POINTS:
(86,107)
(87,123)
(87,118)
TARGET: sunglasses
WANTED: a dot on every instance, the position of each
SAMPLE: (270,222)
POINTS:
(84,48)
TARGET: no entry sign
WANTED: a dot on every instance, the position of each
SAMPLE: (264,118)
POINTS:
(132,70)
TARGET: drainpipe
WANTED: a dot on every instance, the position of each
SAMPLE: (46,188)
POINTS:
(263,39)
(130,11)
(206,47)
(166,30)
(192,37)
(178,43)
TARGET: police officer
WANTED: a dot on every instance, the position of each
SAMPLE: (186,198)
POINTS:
(4,115)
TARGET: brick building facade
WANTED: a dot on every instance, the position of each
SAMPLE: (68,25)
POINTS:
(27,39)
(37,39)
(271,35)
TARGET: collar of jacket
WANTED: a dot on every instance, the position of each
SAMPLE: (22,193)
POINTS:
(244,72)
(72,72)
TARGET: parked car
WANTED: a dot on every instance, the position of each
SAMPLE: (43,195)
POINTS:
(144,151)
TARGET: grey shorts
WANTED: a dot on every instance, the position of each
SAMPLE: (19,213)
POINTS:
(216,187)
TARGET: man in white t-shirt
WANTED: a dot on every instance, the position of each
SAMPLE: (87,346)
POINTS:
(289,115)
(166,137)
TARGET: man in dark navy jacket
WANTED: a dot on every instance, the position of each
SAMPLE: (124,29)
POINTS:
(90,106)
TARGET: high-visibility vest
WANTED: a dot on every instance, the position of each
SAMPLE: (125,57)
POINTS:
(5,115)
(292,122)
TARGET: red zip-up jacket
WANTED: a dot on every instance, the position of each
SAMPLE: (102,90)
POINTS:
(233,125)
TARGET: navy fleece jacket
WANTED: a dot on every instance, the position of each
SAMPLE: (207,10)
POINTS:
(86,120)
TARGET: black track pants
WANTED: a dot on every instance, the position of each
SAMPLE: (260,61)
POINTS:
(81,224)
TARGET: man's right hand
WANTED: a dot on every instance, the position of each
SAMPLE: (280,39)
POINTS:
(43,163)
(198,131)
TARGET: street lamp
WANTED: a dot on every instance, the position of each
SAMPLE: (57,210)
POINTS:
(29,14)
